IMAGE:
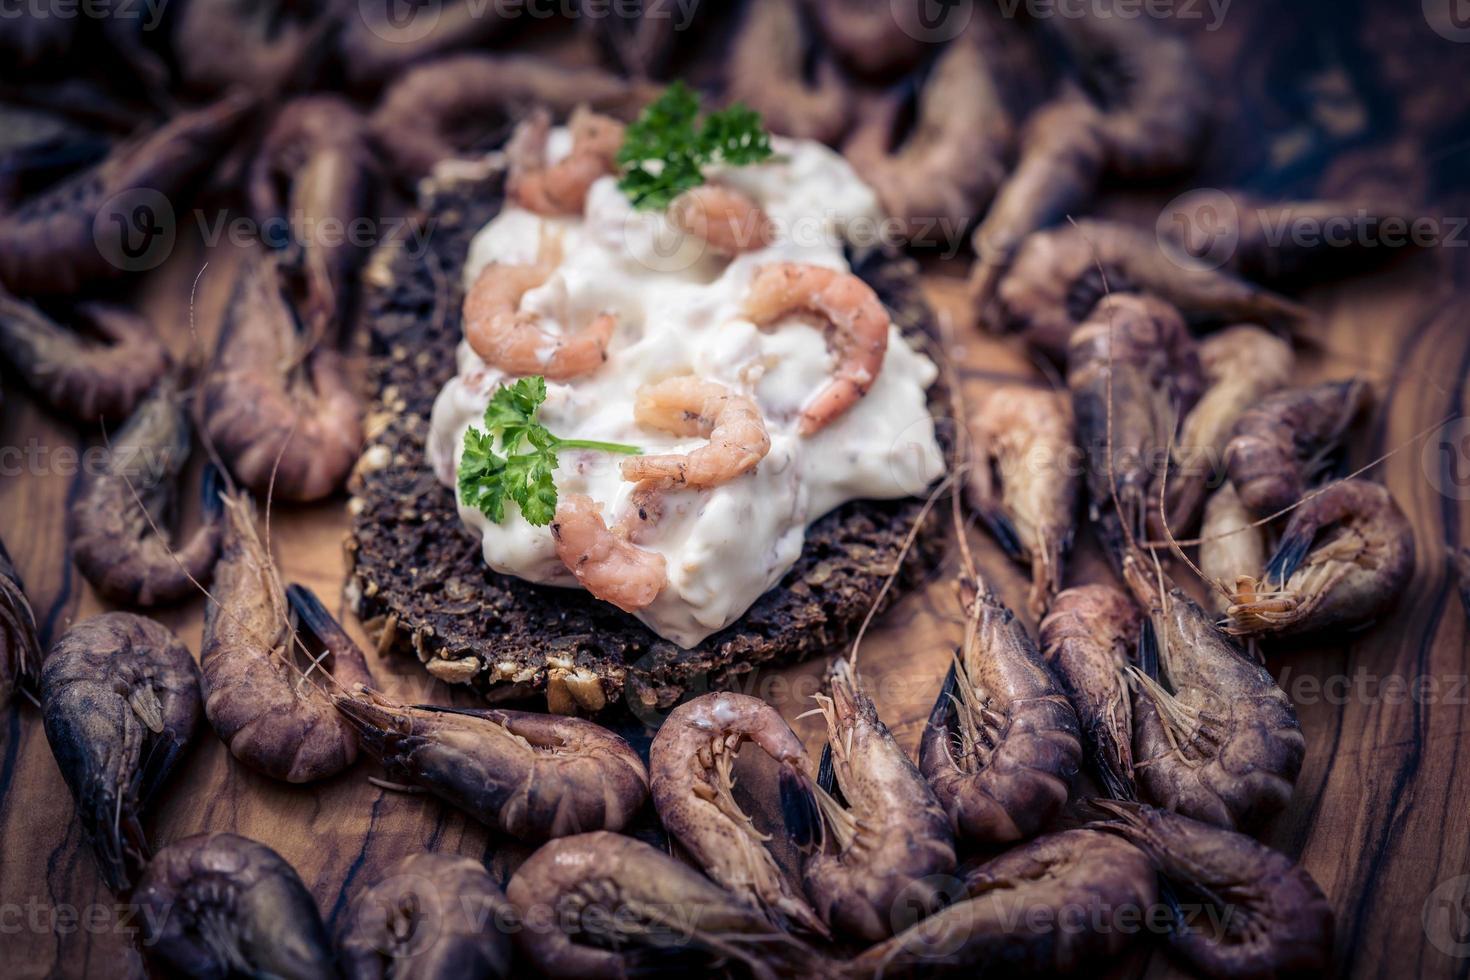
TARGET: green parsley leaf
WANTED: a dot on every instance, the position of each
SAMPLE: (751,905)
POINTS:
(487,478)
(665,149)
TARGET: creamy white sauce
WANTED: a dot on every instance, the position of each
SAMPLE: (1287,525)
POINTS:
(679,313)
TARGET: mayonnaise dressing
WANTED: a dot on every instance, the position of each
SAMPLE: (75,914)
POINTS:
(679,312)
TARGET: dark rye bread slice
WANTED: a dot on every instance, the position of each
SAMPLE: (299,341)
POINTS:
(418,581)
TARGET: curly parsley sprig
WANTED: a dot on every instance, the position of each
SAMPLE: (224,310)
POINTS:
(666,148)
(487,478)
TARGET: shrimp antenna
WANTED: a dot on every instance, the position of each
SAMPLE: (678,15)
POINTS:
(1168,532)
(204,438)
(964,451)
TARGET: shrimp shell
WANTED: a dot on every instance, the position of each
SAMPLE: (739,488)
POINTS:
(855,321)
(530,775)
(115,515)
(618,893)
(217,905)
(1230,547)
(428,917)
(120,701)
(949,166)
(1279,444)
(271,715)
(690,764)
(1276,921)
(445,108)
(283,415)
(1016,920)
(876,40)
(313,174)
(1060,275)
(20,648)
(1155,100)
(1023,438)
(891,839)
(1088,639)
(767,71)
(1001,747)
(1343,560)
(85,380)
(49,243)
(1222,742)
(1241,364)
(1133,370)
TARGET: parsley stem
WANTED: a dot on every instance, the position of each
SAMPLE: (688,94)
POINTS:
(607,447)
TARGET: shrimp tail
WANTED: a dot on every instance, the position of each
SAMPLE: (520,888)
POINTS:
(1148,650)
(1003,530)
(1116,785)
(944,705)
(348,664)
(1295,544)
(799,808)
(827,773)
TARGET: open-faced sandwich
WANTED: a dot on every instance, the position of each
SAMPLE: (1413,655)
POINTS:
(648,413)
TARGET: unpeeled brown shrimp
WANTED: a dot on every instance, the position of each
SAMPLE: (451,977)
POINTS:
(1060,275)
(1016,922)
(1133,370)
(690,764)
(1274,920)
(1088,639)
(875,39)
(282,413)
(428,917)
(1001,747)
(1023,440)
(120,700)
(269,713)
(20,648)
(82,379)
(515,341)
(953,159)
(561,187)
(1279,445)
(114,520)
(1343,560)
(218,905)
(602,905)
(689,407)
(891,838)
(1241,364)
(1221,743)
(856,326)
(728,221)
(533,776)
(767,71)
(604,561)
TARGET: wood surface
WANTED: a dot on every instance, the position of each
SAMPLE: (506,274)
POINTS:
(1342,99)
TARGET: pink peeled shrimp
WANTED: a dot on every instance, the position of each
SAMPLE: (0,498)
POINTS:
(515,341)
(689,772)
(728,221)
(604,561)
(690,407)
(561,187)
(1344,558)
(856,324)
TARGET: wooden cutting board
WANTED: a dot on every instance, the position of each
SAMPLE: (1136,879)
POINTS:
(1320,99)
